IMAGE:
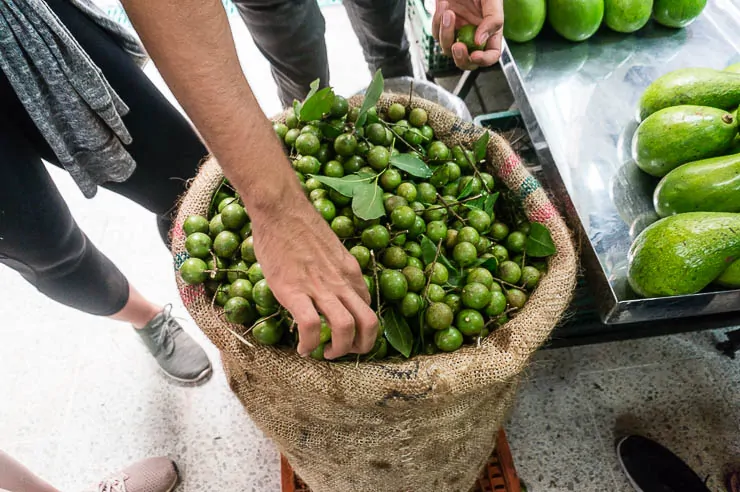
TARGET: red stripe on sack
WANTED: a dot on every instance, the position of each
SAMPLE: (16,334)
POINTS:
(544,213)
(190,293)
(510,164)
(177,232)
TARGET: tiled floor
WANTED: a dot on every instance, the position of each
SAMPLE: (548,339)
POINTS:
(80,396)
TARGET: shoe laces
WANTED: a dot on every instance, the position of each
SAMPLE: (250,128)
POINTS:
(164,337)
(113,484)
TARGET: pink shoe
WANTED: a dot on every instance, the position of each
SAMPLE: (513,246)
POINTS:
(149,475)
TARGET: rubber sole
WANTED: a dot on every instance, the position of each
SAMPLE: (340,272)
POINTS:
(198,380)
(624,468)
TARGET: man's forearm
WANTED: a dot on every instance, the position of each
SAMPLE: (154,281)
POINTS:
(191,43)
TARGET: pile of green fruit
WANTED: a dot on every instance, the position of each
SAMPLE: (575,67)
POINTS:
(689,139)
(578,20)
(446,255)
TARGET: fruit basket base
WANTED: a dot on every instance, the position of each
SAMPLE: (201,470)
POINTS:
(499,474)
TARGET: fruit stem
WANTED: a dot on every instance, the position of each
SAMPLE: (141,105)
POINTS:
(505,283)
(449,209)
(434,262)
(458,202)
(728,119)
(476,171)
(377,284)
(420,149)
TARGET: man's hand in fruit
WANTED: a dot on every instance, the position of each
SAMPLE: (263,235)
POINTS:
(488,15)
(306,266)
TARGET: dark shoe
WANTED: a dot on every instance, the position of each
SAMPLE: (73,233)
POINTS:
(652,468)
(179,356)
(733,482)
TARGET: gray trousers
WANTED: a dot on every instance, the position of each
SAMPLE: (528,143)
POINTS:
(290,34)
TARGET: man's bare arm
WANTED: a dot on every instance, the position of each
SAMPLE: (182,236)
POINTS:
(305,264)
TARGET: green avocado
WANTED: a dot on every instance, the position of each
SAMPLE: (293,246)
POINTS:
(675,136)
(524,19)
(677,13)
(733,68)
(627,15)
(699,86)
(682,254)
(711,185)
(575,20)
(730,277)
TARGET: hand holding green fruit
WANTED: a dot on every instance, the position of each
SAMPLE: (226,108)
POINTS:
(479,24)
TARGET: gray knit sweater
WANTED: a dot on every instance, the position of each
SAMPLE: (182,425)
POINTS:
(70,101)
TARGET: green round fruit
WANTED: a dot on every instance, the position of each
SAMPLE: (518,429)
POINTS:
(576,20)
(265,311)
(427,132)
(361,254)
(326,208)
(471,183)
(411,304)
(517,299)
(415,262)
(437,273)
(314,184)
(216,268)
(238,270)
(439,316)
(418,117)
(353,114)
(345,144)
(499,231)
(339,107)
(314,130)
(334,169)
(436,231)
(262,295)
(307,164)
(291,121)
(481,276)
(324,154)
(435,293)
(413,249)
(325,333)
(479,220)
(475,296)
(677,13)
(488,181)
(435,213)
(307,144)
(226,201)
(378,157)
(353,164)
(530,277)
(195,223)
(438,151)
(396,111)
(497,304)
(470,322)
(524,19)
(318,353)
(291,136)
(222,295)
(241,288)
(413,137)
(427,193)
(317,194)
(340,200)
(268,331)
(509,272)
(403,217)
(469,235)
(515,242)
(193,271)
(234,216)
(466,36)
(393,285)
(418,228)
(483,245)
(245,231)
(500,253)
(343,226)
(390,179)
(464,254)
(448,340)
(454,301)
(453,173)
(255,273)
(226,244)
(239,311)
(198,245)
(400,128)
(376,237)
(375,132)
(415,278)
(451,239)
(395,257)
(407,191)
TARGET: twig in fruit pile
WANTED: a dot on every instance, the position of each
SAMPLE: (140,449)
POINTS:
(377,283)
(449,209)
(431,266)
(459,202)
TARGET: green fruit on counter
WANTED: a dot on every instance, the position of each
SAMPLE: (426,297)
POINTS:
(711,185)
(730,277)
(681,134)
(627,15)
(575,20)
(733,68)
(697,86)
(677,13)
(524,19)
(683,254)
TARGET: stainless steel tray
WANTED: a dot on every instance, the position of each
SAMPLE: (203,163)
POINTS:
(578,102)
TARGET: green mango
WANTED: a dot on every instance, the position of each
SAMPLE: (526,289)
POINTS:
(524,19)
(675,136)
(627,15)
(682,254)
(711,185)
(677,13)
(575,20)
(697,86)
(733,68)
(730,277)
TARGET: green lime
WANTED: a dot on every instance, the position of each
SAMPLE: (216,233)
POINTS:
(451,189)
(353,164)
(312,129)
(411,304)
(454,301)
(378,157)
(241,288)
(291,121)
(413,136)
(500,253)
(326,208)
(195,223)
(375,132)
(393,285)
(400,128)
(396,111)
(418,207)
(437,273)
(389,136)
(234,216)
(483,245)
(524,228)
(497,305)
(342,226)
(399,239)
(415,262)
(459,156)
(427,193)
(517,298)
(226,201)
(499,231)
(238,310)
(325,333)
(407,190)
(418,228)
(339,107)
(440,177)
(390,179)
(466,35)
(340,200)
(436,231)
(438,151)
(413,248)
(307,144)
(439,316)
(453,173)
(403,217)
(394,257)
(415,278)
(469,235)
(488,181)
(435,293)
(215,268)
(226,244)
(255,273)
(268,331)
(376,237)
(393,202)
(238,270)
(334,169)
(510,272)
(193,271)
(345,211)
(318,352)
(353,114)
(427,132)
(418,117)
(325,153)
(464,253)
(291,136)
(469,322)
(515,242)
(481,276)
(198,245)
(496,287)
(472,183)
(530,276)
(222,295)
(370,283)
(451,239)
(361,254)
(480,220)
(246,230)
(307,165)
(435,213)
(361,224)
(476,296)
(317,194)
(448,340)
(345,144)
(262,294)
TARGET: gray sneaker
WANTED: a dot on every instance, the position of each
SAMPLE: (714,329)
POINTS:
(179,356)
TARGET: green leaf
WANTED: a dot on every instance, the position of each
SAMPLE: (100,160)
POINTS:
(466,191)
(412,165)
(330,131)
(489,202)
(345,185)
(367,201)
(397,332)
(490,264)
(297,105)
(297,108)
(443,260)
(479,203)
(539,242)
(479,149)
(456,278)
(428,250)
(372,94)
(317,105)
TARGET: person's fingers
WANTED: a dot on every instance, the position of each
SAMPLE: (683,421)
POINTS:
(439,10)
(447,32)
(461,57)
(354,273)
(492,23)
(307,318)
(342,326)
(491,54)
(366,323)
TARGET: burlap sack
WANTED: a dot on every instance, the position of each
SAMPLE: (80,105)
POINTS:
(426,424)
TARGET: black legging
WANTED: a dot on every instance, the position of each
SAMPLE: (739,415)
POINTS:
(38,236)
